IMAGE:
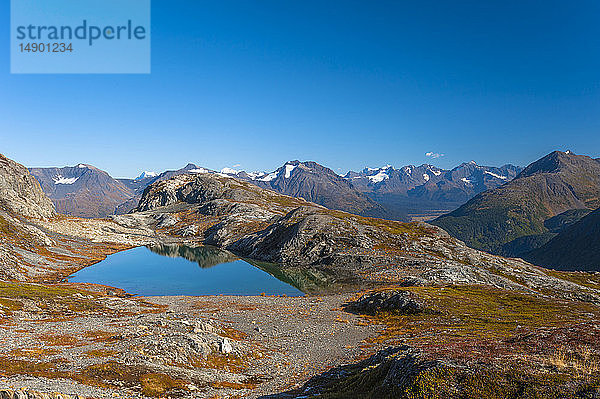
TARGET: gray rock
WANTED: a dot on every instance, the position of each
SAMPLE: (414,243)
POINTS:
(402,302)
(20,192)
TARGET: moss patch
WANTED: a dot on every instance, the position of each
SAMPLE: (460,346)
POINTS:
(482,312)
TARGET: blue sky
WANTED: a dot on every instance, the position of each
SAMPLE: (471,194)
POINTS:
(347,84)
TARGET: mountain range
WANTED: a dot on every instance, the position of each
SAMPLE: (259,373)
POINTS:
(548,196)
(507,210)
(320,185)
(426,191)
(411,192)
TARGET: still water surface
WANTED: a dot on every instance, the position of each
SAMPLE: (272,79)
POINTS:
(182,270)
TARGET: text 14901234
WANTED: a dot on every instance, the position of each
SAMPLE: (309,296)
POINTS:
(46,47)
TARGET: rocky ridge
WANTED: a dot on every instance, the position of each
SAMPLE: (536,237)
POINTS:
(20,193)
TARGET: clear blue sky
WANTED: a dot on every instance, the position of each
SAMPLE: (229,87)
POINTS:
(348,84)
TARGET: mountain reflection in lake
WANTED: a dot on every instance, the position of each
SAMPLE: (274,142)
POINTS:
(173,270)
(205,257)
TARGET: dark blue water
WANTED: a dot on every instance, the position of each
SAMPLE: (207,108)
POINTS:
(181,270)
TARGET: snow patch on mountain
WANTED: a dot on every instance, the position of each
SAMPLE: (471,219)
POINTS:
(288,170)
(379,177)
(269,177)
(230,171)
(255,175)
(64,180)
(199,170)
(495,175)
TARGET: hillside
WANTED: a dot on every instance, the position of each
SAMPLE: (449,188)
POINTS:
(492,220)
(577,247)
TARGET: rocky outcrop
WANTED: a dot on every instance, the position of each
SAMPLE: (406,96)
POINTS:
(390,373)
(20,193)
(138,185)
(402,302)
(21,201)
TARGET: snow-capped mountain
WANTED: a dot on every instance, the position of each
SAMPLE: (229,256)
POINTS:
(146,175)
(385,192)
(424,190)
(318,184)
(82,190)
(427,190)
(390,179)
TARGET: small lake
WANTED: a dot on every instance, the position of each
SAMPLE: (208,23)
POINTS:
(182,270)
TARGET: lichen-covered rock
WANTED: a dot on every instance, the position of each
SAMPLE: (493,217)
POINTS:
(387,374)
(402,302)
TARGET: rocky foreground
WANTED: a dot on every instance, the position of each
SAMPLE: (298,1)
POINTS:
(395,310)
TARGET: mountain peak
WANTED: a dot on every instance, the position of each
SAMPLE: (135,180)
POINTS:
(551,163)
(84,166)
(145,175)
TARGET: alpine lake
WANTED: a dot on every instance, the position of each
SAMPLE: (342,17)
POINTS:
(183,270)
